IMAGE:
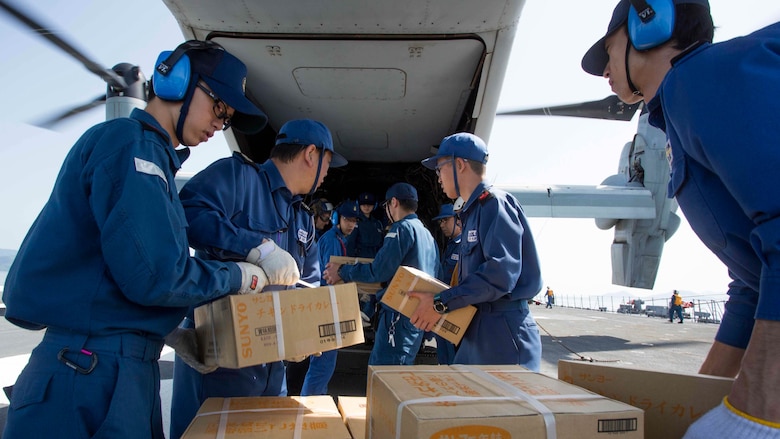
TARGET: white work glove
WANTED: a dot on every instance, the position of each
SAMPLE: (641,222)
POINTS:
(185,343)
(253,278)
(279,266)
(724,422)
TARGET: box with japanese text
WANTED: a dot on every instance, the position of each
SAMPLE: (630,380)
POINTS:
(451,326)
(507,402)
(671,401)
(363,287)
(244,330)
(269,417)
(353,411)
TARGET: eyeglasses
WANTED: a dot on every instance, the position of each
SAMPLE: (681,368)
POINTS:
(441,165)
(220,108)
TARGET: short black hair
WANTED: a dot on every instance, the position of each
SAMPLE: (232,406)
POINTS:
(410,205)
(693,23)
(286,152)
(477,167)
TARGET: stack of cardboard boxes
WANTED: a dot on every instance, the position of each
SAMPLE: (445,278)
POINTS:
(426,401)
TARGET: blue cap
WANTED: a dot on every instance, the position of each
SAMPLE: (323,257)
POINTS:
(226,77)
(402,191)
(366,198)
(447,211)
(463,145)
(348,209)
(309,132)
(596,58)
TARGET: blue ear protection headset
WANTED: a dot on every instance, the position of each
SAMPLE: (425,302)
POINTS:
(173,72)
(650,23)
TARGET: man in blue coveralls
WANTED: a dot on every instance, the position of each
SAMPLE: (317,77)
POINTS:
(366,241)
(322,212)
(367,238)
(106,267)
(233,205)
(408,243)
(499,266)
(724,163)
(332,243)
(450,226)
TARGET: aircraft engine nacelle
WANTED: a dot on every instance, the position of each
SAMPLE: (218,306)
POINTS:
(638,244)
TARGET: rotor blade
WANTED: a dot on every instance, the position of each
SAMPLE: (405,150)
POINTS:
(108,75)
(610,108)
(49,123)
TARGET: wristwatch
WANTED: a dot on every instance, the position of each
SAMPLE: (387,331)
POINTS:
(439,306)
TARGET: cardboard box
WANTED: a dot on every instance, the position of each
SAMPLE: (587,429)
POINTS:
(353,411)
(671,401)
(489,402)
(363,287)
(452,325)
(244,330)
(268,417)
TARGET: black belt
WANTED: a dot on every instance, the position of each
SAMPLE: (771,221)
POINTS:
(124,344)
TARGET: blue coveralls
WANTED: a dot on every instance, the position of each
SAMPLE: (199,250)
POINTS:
(408,243)
(499,271)
(364,242)
(450,260)
(366,239)
(332,243)
(724,165)
(445,350)
(106,269)
(231,206)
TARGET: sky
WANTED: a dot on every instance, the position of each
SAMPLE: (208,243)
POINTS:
(38,80)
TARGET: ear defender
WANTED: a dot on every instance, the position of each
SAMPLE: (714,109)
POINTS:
(170,81)
(172,71)
(650,23)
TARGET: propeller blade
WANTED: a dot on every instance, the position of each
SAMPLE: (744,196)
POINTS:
(49,123)
(108,75)
(610,108)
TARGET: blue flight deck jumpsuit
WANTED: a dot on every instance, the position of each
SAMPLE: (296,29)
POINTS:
(231,206)
(499,272)
(450,260)
(724,165)
(445,350)
(408,243)
(366,240)
(106,269)
(332,243)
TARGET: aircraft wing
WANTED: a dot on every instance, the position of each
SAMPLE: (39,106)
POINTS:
(585,201)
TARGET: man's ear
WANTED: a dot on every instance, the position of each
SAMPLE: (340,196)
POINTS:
(460,164)
(310,155)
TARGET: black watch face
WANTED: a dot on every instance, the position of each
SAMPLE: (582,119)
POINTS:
(440,307)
